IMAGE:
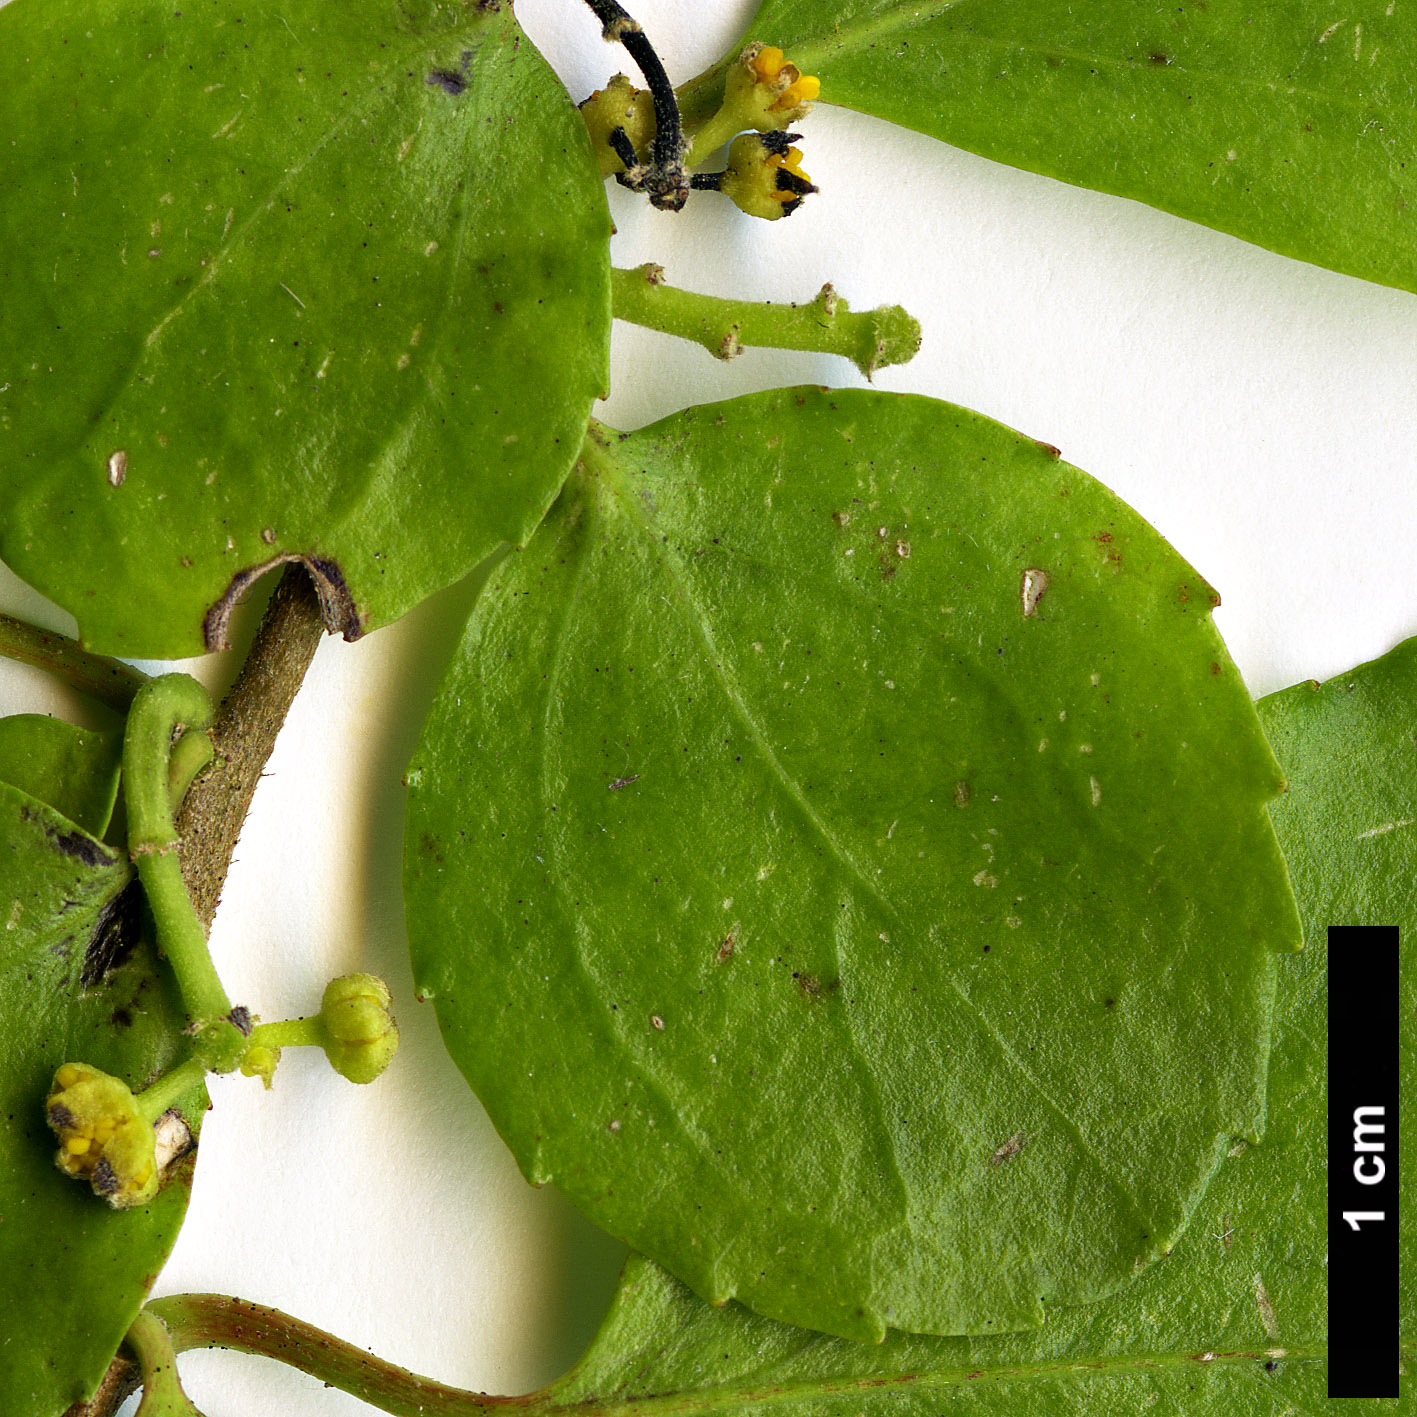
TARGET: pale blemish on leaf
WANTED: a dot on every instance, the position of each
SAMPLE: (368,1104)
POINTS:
(1010,1148)
(117,468)
(1266,1308)
(1032,589)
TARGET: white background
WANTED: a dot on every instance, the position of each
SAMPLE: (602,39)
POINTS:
(1261,413)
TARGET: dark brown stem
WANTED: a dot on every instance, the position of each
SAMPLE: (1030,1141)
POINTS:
(216,1321)
(243,734)
(663,177)
(110,681)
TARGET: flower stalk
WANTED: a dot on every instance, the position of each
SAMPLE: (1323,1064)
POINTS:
(871,339)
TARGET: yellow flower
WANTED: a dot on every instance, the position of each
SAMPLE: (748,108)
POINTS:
(764,175)
(103,1137)
(792,89)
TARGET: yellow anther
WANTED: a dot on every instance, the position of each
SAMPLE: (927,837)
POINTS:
(76,1146)
(68,1075)
(803,91)
(769,61)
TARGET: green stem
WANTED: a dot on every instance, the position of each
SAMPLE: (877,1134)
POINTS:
(110,681)
(161,706)
(170,1089)
(192,754)
(871,339)
(722,126)
(700,97)
(151,1344)
(215,1321)
(290,1033)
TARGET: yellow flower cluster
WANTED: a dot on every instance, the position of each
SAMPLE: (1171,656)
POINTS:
(103,1139)
(792,90)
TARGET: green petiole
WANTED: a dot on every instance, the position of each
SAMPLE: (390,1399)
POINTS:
(161,707)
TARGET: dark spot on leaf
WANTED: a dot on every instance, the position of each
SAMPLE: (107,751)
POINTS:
(448,81)
(1159,58)
(428,844)
(622,782)
(82,847)
(1047,448)
(115,934)
(121,1018)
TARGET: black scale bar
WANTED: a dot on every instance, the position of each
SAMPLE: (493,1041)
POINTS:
(1363,1162)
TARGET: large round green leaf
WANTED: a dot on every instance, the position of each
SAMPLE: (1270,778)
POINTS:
(78,982)
(1288,124)
(839,856)
(1235,1323)
(284,280)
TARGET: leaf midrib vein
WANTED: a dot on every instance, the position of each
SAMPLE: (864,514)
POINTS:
(819,1389)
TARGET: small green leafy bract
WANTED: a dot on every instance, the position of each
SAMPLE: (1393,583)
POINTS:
(284,280)
(839,855)
(1234,1322)
(1290,125)
(77,983)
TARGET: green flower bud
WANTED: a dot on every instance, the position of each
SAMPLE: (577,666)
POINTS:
(103,1137)
(619,108)
(260,1062)
(360,1034)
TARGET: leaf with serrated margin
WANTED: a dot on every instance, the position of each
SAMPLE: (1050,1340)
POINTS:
(1234,1322)
(839,856)
(1292,125)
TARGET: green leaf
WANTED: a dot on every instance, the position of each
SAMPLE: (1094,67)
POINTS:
(1289,125)
(1247,1285)
(77,983)
(1348,827)
(74,770)
(839,855)
(320,282)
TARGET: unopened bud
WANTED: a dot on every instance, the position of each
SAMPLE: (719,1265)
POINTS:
(360,1034)
(619,109)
